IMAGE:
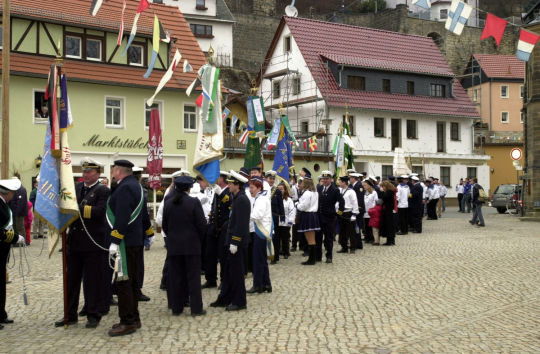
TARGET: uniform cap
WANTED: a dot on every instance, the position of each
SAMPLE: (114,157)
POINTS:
(224,173)
(89,163)
(177,173)
(137,169)
(326,174)
(258,168)
(355,175)
(11,184)
(392,178)
(256,178)
(236,177)
(124,163)
(414,178)
(183,181)
(404,176)
(372,178)
(351,170)
(271,173)
(306,171)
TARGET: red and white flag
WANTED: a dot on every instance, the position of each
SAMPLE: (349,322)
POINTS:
(244,136)
(494,27)
(121,31)
(154,161)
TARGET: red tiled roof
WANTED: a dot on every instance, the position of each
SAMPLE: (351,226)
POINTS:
(76,12)
(380,50)
(501,66)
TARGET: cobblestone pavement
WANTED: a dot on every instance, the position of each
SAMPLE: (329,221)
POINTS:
(456,288)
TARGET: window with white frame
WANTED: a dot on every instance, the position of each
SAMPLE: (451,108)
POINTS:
(276,89)
(504,91)
(505,117)
(443,15)
(136,55)
(114,112)
(148,113)
(522,118)
(475,95)
(73,47)
(296,85)
(304,127)
(40,111)
(93,49)
(190,118)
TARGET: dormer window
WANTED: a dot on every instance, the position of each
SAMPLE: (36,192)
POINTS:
(200,5)
(287,44)
(437,90)
(135,55)
(73,47)
(386,85)
(356,82)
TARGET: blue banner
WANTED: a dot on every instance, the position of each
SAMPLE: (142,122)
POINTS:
(283,159)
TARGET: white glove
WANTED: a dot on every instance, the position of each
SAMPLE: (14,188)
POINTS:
(21,240)
(353,218)
(233,249)
(152,239)
(113,249)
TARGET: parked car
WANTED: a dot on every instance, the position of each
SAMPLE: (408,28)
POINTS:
(506,196)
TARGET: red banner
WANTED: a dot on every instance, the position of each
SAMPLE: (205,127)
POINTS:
(154,162)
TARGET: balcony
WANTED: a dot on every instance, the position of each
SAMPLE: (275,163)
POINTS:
(232,145)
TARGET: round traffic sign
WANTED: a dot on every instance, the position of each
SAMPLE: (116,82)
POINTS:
(515,154)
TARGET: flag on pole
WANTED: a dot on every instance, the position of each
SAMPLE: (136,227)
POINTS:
(457,16)
(51,95)
(143,5)
(253,152)
(256,118)
(244,137)
(494,27)
(155,47)
(154,161)
(66,118)
(287,125)
(225,114)
(274,134)
(283,160)
(233,124)
(166,77)
(199,100)
(313,143)
(121,31)
(426,4)
(527,41)
(94,8)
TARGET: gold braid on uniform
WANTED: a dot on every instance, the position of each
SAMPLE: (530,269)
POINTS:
(87,212)
(9,236)
(150,231)
(339,212)
(237,238)
(118,235)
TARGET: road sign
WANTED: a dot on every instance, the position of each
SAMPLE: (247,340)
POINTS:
(515,154)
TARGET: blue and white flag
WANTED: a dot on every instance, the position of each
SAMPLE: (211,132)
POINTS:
(457,16)
(274,134)
(283,160)
(426,4)
(225,114)
(233,124)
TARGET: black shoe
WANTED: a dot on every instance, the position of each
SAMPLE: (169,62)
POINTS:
(144,298)
(83,313)
(286,256)
(470,222)
(318,259)
(209,284)
(235,308)
(217,304)
(387,244)
(202,313)
(328,260)
(6,321)
(481,225)
(60,323)
(92,323)
(273,262)
(343,250)
(267,288)
(255,290)
(177,313)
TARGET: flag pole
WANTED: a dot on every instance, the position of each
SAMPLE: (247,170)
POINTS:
(6,49)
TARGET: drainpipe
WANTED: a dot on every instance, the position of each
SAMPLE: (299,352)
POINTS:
(340,76)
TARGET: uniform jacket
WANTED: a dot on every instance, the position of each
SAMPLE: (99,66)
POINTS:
(93,208)
(290,213)
(369,200)
(278,212)
(417,193)
(403,195)
(328,200)
(221,209)
(185,225)
(360,197)
(238,228)
(261,211)
(351,203)
(308,202)
(7,236)
(123,202)
(19,202)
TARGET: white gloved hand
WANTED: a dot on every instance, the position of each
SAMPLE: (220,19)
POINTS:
(21,240)
(113,249)
(233,249)
(353,218)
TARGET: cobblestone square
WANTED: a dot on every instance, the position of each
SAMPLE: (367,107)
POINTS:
(456,288)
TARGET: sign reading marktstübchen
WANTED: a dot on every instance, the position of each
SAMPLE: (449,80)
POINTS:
(116,142)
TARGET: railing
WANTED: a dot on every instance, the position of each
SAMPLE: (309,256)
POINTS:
(232,144)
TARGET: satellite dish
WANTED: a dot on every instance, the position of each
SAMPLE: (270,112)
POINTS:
(291,11)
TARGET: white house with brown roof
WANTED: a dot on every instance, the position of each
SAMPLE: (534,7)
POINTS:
(397,88)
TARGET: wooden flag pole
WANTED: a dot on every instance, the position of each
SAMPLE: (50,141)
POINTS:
(6,48)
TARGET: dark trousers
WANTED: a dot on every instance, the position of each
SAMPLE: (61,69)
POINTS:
(165,271)
(4,254)
(347,235)
(358,227)
(185,283)
(88,268)
(233,288)
(212,255)
(295,238)
(368,231)
(460,198)
(261,274)
(416,215)
(325,236)
(128,290)
(140,273)
(403,216)
(432,209)
(284,233)
(248,255)
(396,221)
(276,240)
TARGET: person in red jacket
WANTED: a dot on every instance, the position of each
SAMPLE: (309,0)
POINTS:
(375,220)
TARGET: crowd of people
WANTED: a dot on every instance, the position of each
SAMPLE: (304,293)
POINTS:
(247,221)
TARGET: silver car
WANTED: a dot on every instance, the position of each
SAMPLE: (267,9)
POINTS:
(505,197)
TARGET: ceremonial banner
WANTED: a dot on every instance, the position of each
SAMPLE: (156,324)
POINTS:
(234,120)
(143,5)
(209,76)
(51,94)
(121,31)
(166,77)
(253,152)
(283,160)
(209,146)
(287,125)
(253,120)
(426,4)
(494,27)
(154,161)
(348,150)
(313,143)
(244,136)
(527,41)
(274,134)
(66,119)
(457,16)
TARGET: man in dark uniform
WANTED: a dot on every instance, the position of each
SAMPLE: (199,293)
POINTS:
(128,217)
(8,237)
(217,230)
(329,195)
(147,241)
(416,207)
(85,260)
(233,288)
(278,211)
(185,225)
(356,184)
